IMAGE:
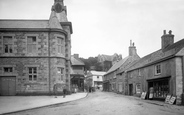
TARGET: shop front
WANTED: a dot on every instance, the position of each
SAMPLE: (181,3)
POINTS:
(77,83)
(158,88)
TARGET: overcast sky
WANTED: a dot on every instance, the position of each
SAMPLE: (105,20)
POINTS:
(107,26)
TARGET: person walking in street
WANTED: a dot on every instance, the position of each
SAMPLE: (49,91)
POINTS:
(64,91)
(55,90)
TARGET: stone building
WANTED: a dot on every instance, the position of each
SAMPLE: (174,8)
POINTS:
(106,61)
(77,73)
(112,80)
(35,54)
(161,71)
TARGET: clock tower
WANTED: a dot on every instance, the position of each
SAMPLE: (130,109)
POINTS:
(60,10)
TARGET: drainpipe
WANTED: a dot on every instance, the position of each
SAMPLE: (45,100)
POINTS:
(182,95)
(49,62)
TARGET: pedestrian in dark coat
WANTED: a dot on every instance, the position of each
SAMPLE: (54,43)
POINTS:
(55,90)
(64,91)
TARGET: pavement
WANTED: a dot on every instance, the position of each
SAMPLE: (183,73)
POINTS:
(11,104)
(159,103)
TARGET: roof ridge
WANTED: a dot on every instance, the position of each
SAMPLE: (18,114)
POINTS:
(24,20)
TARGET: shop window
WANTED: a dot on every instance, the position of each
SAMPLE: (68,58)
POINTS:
(32,73)
(160,88)
(31,44)
(8,44)
(157,69)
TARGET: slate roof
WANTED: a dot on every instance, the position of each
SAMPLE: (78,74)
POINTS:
(98,73)
(129,62)
(24,23)
(123,64)
(53,22)
(116,65)
(172,50)
(76,61)
(106,57)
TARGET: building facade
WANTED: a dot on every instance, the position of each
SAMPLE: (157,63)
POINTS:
(77,73)
(94,79)
(106,61)
(113,80)
(35,54)
(161,71)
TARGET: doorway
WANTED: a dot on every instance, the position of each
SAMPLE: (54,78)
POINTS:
(130,89)
(8,85)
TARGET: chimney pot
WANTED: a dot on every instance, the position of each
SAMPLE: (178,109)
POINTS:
(130,42)
(170,32)
(164,32)
(76,55)
(167,39)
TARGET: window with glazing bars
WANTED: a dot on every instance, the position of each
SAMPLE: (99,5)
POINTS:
(60,44)
(32,71)
(31,44)
(157,69)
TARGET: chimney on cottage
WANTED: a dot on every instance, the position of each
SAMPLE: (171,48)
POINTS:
(76,55)
(132,49)
(167,39)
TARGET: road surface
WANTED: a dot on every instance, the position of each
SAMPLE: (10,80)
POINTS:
(104,103)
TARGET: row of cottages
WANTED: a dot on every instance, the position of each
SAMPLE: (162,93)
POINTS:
(113,82)
(35,54)
(161,71)
(77,73)
(94,79)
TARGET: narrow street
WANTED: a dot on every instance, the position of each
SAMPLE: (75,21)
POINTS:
(105,103)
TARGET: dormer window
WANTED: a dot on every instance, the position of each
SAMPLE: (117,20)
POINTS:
(158,69)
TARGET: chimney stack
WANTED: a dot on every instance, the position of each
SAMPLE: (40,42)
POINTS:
(167,39)
(76,56)
(132,49)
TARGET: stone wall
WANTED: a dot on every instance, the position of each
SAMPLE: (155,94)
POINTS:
(20,71)
(179,79)
(146,73)
(20,59)
(20,43)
